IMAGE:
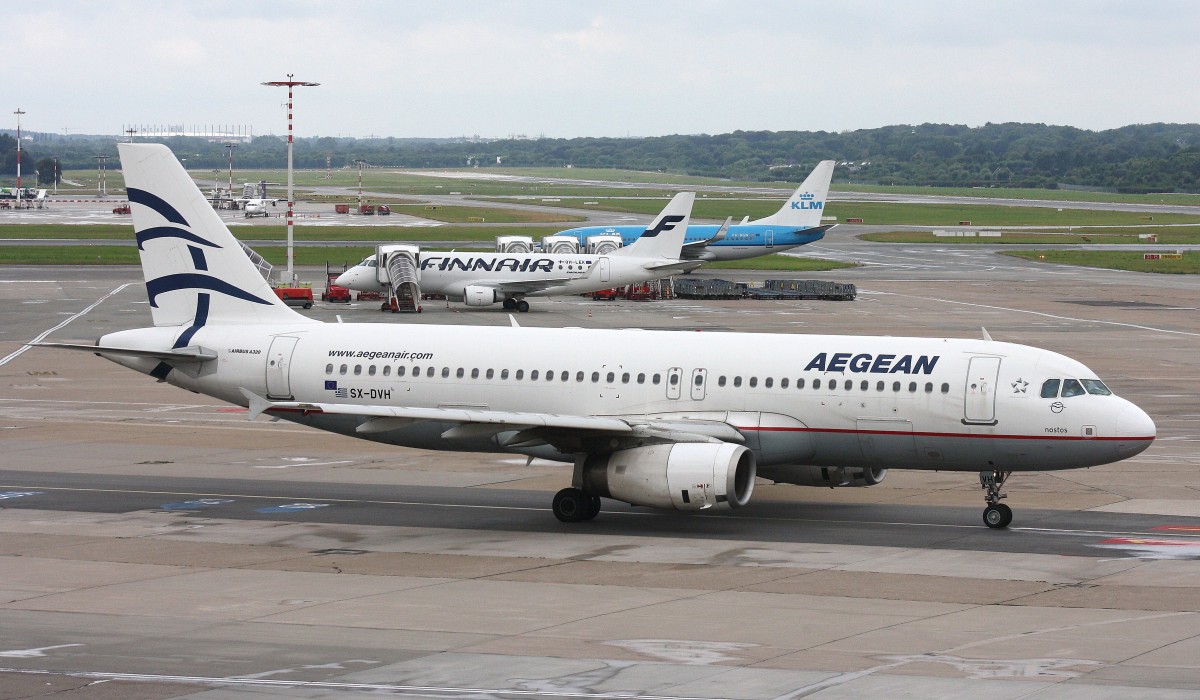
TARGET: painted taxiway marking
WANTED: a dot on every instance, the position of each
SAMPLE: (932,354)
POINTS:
(335,685)
(14,355)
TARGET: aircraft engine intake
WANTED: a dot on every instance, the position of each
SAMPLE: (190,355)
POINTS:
(474,295)
(681,476)
(808,475)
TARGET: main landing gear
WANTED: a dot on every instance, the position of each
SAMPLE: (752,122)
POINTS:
(997,515)
(518,304)
(573,505)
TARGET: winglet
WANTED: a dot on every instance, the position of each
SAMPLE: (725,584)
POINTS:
(258,405)
(986,336)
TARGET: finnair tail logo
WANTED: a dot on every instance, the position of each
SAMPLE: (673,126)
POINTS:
(807,201)
(667,223)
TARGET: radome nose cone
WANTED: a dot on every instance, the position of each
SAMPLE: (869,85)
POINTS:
(1133,422)
(343,280)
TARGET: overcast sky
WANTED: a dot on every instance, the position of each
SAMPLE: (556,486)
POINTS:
(603,68)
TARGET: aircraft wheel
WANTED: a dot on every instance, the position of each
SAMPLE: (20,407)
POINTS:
(571,505)
(522,306)
(593,507)
(509,303)
(997,516)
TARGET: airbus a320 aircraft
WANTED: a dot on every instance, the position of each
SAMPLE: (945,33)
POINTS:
(659,419)
(796,223)
(482,279)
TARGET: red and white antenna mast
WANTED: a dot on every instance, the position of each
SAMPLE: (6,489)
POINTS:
(290,83)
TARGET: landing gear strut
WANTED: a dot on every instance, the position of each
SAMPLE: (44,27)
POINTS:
(573,505)
(997,515)
(519,304)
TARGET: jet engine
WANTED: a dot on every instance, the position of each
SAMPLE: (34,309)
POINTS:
(808,475)
(474,295)
(682,476)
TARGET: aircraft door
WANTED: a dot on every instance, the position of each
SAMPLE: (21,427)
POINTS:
(980,404)
(699,378)
(605,269)
(674,379)
(279,364)
(769,238)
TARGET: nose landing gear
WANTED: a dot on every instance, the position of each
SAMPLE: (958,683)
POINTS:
(997,515)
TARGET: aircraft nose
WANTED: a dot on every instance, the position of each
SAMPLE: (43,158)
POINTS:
(343,279)
(1134,423)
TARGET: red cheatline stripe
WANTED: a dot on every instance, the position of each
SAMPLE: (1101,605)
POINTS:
(929,434)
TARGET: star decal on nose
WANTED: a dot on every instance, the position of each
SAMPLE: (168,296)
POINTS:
(1019,386)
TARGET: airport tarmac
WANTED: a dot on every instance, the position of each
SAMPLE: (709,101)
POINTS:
(156,544)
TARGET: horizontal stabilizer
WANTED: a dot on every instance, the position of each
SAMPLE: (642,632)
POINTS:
(193,353)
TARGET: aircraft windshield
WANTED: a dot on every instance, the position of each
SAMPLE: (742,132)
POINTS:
(1073,387)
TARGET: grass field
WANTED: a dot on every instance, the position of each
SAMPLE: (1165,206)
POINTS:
(783,263)
(1113,260)
(279,233)
(1166,236)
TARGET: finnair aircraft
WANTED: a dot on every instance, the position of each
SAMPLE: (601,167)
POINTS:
(796,223)
(682,421)
(482,279)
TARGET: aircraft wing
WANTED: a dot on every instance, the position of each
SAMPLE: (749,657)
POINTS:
(527,287)
(698,250)
(562,430)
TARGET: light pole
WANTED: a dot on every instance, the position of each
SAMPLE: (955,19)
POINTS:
(359,162)
(229,146)
(101,161)
(290,83)
(19,112)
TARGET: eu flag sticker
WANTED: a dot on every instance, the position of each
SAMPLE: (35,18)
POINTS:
(330,385)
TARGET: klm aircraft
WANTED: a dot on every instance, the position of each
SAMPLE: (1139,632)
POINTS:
(796,223)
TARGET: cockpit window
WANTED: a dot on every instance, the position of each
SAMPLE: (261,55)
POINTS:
(1050,388)
(1072,387)
(1095,386)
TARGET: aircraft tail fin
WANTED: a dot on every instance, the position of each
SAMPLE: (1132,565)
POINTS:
(807,203)
(664,237)
(196,271)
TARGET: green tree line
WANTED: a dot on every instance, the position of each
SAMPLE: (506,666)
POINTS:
(1138,158)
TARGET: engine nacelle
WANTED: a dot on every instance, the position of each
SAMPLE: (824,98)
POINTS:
(474,295)
(807,475)
(681,476)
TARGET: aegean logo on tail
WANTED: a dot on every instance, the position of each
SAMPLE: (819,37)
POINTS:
(186,280)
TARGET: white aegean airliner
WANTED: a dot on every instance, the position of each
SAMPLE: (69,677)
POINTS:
(482,279)
(659,419)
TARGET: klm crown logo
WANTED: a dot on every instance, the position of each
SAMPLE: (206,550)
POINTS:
(807,201)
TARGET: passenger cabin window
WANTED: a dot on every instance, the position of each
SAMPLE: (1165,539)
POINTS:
(342,369)
(429,372)
(387,370)
(610,378)
(400,371)
(595,377)
(445,372)
(816,383)
(641,377)
(371,371)
(489,374)
(504,374)
(783,383)
(1072,387)
(721,380)
(737,381)
(848,385)
(533,375)
(358,369)
(800,383)
(945,388)
(656,379)
(460,373)
(753,382)
(474,373)
(1050,388)
(329,368)
(625,378)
